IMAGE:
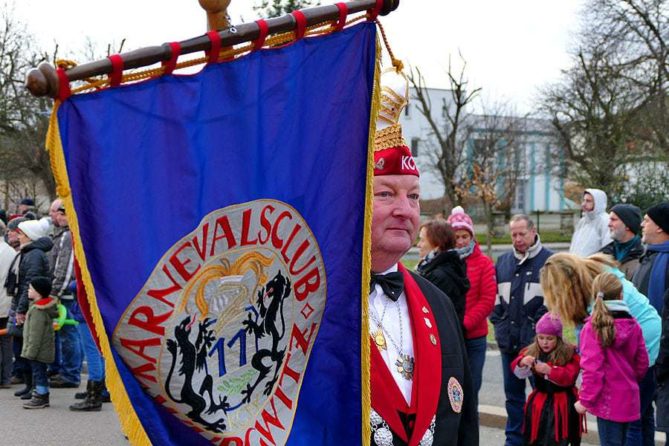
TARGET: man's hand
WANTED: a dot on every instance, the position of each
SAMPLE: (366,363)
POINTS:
(543,368)
(20,318)
(527,361)
(580,408)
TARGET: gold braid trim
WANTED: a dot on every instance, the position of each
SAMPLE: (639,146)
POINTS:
(365,353)
(389,137)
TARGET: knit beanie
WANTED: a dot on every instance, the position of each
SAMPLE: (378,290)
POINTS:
(42,285)
(460,220)
(660,215)
(549,324)
(33,229)
(630,215)
(13,224)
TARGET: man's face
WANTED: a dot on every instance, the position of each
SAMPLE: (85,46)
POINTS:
(521,236)
(23,208)
(13,238)
(588,203)
(650,232)
(395,219)
(61,218)
(53,212)
(617,228)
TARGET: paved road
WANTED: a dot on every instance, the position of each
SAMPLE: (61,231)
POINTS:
(57,425)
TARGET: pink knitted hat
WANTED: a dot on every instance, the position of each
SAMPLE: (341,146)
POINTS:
(550,324)
(460,220)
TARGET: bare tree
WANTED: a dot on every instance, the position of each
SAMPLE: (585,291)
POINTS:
(494,163)
(23,119)
(446,130)
(610,108)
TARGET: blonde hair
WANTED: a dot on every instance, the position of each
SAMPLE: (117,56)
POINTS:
(566,280)
(606,286)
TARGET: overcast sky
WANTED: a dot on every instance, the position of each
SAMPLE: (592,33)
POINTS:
(512,48)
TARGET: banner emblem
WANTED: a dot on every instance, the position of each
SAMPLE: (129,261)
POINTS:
(222,330)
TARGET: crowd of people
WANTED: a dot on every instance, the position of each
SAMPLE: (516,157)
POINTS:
(43,336)
(428,328)
(612,286)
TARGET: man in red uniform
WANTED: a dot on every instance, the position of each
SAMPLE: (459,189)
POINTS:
(420,382)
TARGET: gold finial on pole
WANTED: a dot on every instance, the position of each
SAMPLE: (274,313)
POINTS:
(217,13)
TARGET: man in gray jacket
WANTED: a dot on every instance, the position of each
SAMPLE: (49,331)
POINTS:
(61,262)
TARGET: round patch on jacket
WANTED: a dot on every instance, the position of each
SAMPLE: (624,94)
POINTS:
(455,395)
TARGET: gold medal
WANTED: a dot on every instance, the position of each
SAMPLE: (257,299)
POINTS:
(379,339)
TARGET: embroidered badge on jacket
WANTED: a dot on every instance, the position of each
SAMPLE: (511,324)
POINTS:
(455,395)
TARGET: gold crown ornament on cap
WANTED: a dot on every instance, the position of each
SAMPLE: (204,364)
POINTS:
(394,97)
(392,156)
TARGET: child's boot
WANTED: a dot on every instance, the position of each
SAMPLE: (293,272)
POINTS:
(28,383)
(38,401)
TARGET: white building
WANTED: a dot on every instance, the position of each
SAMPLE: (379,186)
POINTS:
(538,188)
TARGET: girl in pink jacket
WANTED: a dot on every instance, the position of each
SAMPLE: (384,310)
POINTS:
(613,360)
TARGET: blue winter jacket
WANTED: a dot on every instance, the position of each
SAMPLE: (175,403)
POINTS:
(520,300)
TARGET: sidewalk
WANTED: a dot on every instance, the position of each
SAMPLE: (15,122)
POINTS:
(495,417)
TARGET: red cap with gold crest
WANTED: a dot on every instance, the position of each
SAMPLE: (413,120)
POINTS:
(392,156)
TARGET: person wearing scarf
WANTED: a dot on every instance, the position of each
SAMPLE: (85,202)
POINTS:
(481,295)
(441,264)
(651,279)
(624,228)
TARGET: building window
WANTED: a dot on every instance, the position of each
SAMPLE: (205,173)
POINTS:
(406,111)
(519,203)
(414,146)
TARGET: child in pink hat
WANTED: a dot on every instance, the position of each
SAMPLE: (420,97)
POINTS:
(550,416)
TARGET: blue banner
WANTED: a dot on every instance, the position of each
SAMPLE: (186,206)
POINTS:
(221,220)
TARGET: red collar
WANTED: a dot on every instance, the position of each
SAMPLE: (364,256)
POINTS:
(387,399)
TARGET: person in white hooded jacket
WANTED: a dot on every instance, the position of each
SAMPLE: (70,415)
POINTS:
(592,232)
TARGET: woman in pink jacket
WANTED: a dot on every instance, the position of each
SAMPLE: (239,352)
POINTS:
(480,298)
(613,360)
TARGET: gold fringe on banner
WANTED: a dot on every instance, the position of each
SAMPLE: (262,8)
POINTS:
(367,254)
(130,423)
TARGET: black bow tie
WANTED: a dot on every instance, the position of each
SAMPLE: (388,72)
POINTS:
(392,284)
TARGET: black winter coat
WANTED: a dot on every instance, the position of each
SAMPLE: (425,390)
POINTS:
(33,263)
(662,371)
(448,272)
